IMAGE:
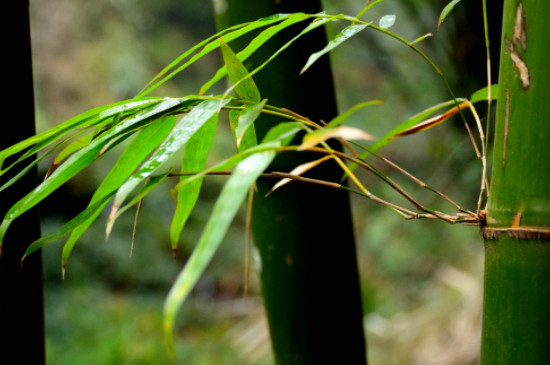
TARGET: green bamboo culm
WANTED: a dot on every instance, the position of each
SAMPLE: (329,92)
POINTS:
(516,311)
(303,233)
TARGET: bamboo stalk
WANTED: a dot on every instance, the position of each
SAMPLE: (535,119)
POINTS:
(516,313)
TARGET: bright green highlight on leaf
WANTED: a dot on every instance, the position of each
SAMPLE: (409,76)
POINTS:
(483,94)
(227,205)
(341,37)
(194,159)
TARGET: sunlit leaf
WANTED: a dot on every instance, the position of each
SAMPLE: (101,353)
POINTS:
(225,208)
(280,135)
(82,158)
(130,159)
(55,135)
(178,137)
(483,94)
(387,21)
(446,10)
(317,136)
(341,37)
(194,159)
(254,44)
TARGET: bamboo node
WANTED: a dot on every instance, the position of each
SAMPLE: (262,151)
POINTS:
(519,233)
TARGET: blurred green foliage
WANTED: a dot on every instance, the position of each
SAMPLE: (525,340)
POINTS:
(421,280)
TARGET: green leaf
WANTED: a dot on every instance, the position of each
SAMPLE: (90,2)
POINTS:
(387,21)
(280,135)
(139,148)
(483,94)
(446,10)
(82,158)
(207,45)
(342,117)
(88,119)
(319,135)
(150,183)
(194,159)
(254,44)
(245,122)
(179,136)
(341,37)
(227,205)
(80,218)
(244,85)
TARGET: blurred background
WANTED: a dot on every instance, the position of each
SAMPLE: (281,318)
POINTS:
(421,280)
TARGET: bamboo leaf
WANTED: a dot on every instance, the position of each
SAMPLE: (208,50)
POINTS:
(244,85)
(342,117)
(432,122)
(206,47)
(140,147)
(315,137)
(341,37)
(367,7)
(245,122)
(299,170)
(150,183)
(446,10)
(483,94)
(280,135)
(88,119)
(179,136)
(227,205)
(86,214)
(82,158)
(194,159)
(412,121)
(253,45)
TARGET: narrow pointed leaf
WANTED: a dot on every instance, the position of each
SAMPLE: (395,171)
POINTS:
(65,229)
(82,158)
(432,122)
(280,135)
(253,45)
(342,117)
(244,85)
(138,149)
(174,143)
(483,94)
(245,123)
(315,137)
(299,170)
(446,10)
(195,155)
(341,37)
(84,120)
(206,47)
(150,183)
(227,205)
